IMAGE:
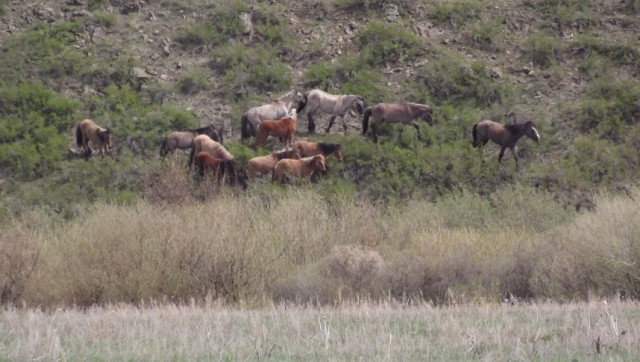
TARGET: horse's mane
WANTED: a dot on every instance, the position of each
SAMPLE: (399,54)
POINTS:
(514,127)
(328,148)
(202,129)
(283,154)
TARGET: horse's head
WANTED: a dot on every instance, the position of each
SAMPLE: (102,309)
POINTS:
(319,163)
(104,135)
(358,104)
(531,131)
(427,116)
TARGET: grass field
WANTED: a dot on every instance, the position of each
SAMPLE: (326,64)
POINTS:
(372,332)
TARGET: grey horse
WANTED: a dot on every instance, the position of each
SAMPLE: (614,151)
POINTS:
(335,105)
(277,109)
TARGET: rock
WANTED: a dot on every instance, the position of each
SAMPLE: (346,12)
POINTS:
(496,73)
(247,24)
(140,73)
(74,2)
(391,12)
(97,34)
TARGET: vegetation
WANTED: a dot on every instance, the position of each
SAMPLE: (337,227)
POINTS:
(442,221)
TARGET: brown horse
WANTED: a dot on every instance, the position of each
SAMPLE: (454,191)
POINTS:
(395,113)
(206,144)
(506,136)
(277,109)
(308,149)
(88,131)
(335,105)
(184,139)
(304,168)
(217,168)
(284,129)
(265,164)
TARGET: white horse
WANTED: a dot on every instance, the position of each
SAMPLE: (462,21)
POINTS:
(336,105)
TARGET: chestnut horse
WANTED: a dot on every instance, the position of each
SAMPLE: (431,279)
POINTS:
(265,164)
(506,136)
(277,109)
(88,131)
(284,129)
(308,149)
(206,144)
(395,113)
(304,168)
(218,168)
(335,105)
(184,139)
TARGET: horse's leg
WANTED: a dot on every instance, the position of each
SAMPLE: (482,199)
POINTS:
(502,149)
(344,123)
(514,150)
(417,127)
(311,125)
(374,131)
(333,118)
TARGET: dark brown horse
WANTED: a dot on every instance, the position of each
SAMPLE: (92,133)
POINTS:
(304,168)
(217,168)
(265,164)
(88,131)
(308,149)
(395,113)
(506,136)
(184,139)
(284,129)
(277,109)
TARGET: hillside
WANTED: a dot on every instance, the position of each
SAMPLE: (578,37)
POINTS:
(144,68)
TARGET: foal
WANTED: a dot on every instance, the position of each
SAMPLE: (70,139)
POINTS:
(218,168)
(307,149)
(88,131)
(206,144)
(284,128)
(506,136)
(301,168)
(265,164)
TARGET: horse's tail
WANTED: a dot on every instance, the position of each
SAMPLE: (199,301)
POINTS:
(245,127)
(365,120)
(221,134)
(192,154)
(164,148)
(78,136)
(475,135)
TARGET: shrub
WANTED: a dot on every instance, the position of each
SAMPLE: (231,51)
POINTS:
(450,79)
(193,81)
(224,25)
(455,13)
(618,53)
(542,49)
(382,43)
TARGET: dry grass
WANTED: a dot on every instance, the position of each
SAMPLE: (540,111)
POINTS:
(373,332)
(300,247)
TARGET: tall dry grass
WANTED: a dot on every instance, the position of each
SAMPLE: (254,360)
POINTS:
(361,331)
(299,246)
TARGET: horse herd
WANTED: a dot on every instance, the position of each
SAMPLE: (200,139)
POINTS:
(302,158)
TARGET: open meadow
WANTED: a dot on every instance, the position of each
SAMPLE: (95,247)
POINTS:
(584,331)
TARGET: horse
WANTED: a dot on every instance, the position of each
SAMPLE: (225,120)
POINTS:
(218,168)
(277,109)
(336,105)
(183,139)
(395,113)
(88,131)
(205,143)
(265,164)
(308,149)
(304,167)
(284,129)
(506,136)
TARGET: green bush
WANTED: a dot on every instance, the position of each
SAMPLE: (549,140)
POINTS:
(542,49)
(224,25)
(381,43)
(455,13)
(618,53)
(448,78)
(193,81)
(33,124)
